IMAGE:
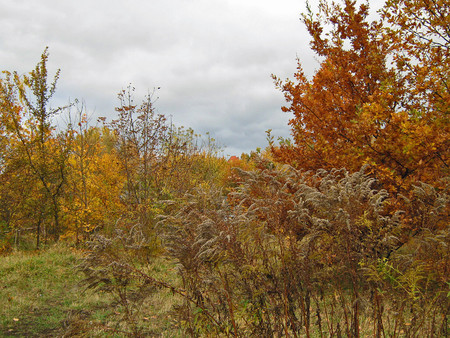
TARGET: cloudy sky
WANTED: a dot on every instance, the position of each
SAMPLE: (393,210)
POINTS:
(212,59)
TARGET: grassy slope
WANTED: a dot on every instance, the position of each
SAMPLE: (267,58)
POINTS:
(41,296)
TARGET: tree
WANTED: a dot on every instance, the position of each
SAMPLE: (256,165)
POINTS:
(140,136)
(159,160)
(28,119)
(94,181)
(380,95)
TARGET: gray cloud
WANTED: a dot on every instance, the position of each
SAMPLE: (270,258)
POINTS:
(212,58)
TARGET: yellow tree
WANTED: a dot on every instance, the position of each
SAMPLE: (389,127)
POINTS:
(25,104)
(16,183)
(94,182)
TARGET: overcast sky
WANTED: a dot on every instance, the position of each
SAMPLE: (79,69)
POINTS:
(212,59)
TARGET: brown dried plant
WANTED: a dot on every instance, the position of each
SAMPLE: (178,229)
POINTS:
(293,253)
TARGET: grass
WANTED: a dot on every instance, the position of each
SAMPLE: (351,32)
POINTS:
(41,296)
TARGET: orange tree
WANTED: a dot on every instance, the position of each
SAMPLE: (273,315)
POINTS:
(380,95)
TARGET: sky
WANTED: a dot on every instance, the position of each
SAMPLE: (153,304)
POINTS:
(211,59)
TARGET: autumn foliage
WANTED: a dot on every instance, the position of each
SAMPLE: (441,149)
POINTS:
(80,179)
(380,95)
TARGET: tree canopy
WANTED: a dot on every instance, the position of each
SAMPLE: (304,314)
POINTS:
(380,95)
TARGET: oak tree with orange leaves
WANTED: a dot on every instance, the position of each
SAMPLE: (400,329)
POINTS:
(380,95)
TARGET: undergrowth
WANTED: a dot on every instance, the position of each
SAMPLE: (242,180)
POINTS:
(290,254)
(286,253)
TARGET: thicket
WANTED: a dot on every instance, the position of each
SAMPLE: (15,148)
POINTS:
(69,182)
(292,253)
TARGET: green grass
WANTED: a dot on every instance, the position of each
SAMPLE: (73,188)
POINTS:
(41,296)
